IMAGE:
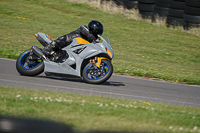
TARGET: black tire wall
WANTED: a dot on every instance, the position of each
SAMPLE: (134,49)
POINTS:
(184,13)
(160,10)
(130,4)
(193,3)
(127,4)
(175,13)
(191,15)
(146,8)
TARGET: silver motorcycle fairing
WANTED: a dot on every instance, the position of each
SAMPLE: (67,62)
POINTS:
(89,50)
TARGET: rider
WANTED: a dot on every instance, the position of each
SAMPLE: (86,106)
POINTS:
(88,33)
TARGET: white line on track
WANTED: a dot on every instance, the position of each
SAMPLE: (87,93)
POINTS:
(102,92)
(165,82)
(108,93)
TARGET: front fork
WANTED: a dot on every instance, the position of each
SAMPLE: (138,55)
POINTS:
(97,61)
(96,68)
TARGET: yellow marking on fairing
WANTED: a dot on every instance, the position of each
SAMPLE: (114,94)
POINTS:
(109,53)
(81,40)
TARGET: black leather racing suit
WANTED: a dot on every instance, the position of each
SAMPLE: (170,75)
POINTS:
(83,32)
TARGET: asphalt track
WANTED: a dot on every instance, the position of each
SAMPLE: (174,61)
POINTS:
(116,87)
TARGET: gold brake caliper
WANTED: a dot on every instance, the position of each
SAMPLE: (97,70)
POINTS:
(97,61)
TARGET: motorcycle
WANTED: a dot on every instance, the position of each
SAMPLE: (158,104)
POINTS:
(89,61)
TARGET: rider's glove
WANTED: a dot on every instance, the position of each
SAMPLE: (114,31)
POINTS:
(85,31)
(90,36)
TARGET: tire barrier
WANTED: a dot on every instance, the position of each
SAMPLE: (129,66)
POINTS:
(130,4)
(127,4)
(192,10)
(175,13)
(117,2)
(191,15)
(184,13)
(146,8)
(160,10)
(162,3)
(193,3)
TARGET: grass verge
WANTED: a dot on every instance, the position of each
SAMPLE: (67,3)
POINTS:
(94,113)
(141,48)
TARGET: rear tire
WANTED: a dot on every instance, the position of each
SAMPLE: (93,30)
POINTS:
(89,75)
(29,68)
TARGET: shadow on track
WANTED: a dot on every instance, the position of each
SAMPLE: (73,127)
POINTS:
(113,83)
(75,79)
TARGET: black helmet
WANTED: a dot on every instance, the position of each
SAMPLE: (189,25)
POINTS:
(95,27)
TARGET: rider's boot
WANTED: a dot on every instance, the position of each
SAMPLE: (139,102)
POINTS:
(48,50)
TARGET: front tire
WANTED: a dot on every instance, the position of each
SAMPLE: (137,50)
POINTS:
(28,67)
(97,75)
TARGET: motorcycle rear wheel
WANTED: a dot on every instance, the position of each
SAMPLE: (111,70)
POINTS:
(99,75)
(28,67)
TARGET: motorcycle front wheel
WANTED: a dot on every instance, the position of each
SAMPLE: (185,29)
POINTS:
(27,67)
(95,75)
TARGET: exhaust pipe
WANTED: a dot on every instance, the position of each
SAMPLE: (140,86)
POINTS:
(38,52)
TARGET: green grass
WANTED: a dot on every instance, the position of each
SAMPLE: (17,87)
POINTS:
(94,113)
(141,48)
